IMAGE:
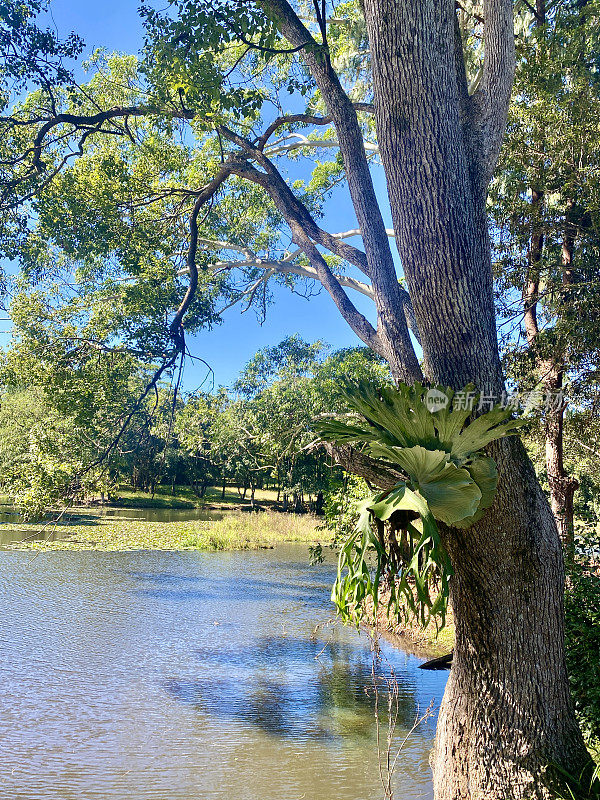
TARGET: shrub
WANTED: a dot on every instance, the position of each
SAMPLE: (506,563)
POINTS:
(582,614)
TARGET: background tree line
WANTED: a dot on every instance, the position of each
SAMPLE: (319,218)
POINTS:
(257,435)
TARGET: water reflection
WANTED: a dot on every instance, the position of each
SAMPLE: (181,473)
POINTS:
(171,676)
(335,700)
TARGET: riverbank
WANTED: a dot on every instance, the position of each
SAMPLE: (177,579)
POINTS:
(234,531)
(179,498)
(184,497)
(408,634)
(429,642)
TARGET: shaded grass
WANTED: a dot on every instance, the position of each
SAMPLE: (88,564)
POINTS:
(236,531)
(162,499)
(261,496)
(185,497)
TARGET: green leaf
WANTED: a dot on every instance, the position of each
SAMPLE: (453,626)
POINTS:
(451,495)
(399,414)
(450,491)
(484,472)
(401,498)
(449,421)
(345,429)
(419,462)
(492,425)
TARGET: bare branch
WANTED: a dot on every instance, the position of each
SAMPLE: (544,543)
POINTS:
(303,141)
(321,237)
(303,119)
(295,215)
(283,267)
(218,245)
(380,263)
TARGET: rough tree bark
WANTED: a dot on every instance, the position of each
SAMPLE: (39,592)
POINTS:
(506,713)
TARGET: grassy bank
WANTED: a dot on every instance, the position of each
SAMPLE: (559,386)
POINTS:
(182,497)
(427,642)
(236,531)
(185,497)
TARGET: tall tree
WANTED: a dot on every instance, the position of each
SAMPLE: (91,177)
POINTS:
(545,209)
(506,718)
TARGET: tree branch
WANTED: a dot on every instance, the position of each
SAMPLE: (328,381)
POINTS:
(335,244)
(360,464)
(491,100)
(292,211)
(381,268)
(91,120)
(302,141)
(283,267)
(206,194)
(353,256)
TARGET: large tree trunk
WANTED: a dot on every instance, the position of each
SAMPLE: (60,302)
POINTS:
(506,713)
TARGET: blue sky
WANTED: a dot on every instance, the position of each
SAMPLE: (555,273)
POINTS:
(116,26)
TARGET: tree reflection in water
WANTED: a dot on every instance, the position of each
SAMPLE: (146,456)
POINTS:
(298,688)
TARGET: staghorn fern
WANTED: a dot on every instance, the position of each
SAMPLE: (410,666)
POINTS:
(448,479)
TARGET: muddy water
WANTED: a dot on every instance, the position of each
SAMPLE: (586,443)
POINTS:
(180,675)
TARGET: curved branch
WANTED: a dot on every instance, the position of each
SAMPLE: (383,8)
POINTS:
(206,194)
(305,119)
(291,210)
(91,120)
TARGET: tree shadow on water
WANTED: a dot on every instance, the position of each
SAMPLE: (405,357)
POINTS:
(285,691)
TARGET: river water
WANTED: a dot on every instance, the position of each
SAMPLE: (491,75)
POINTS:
(190,675)
(80,516)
